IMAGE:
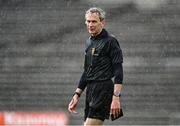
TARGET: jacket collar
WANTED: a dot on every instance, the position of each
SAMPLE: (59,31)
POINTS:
(103,34)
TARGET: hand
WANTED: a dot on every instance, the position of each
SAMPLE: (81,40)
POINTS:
(73,104)
(115,106)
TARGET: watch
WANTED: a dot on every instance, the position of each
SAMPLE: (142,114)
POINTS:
(117,94)
(77,93)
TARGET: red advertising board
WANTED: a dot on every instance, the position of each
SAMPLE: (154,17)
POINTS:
(33,119)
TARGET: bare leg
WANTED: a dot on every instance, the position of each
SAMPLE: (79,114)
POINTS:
(93,122)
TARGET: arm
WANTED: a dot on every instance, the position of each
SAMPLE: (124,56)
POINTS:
(73,103)
(116,101)
(117,60)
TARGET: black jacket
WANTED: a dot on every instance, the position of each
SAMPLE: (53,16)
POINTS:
(103,60)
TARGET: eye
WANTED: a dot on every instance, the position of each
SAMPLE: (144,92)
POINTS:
(93,21)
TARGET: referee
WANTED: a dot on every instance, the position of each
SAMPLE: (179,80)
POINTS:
(103,61)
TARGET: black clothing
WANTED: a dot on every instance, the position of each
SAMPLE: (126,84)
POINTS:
(98,99)
(103,60)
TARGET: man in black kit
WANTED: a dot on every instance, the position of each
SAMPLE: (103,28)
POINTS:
(103,61)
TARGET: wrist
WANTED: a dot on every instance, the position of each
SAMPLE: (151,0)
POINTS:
(117,94)
(116,98)
(76,94)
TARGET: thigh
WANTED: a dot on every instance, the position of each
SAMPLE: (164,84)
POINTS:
(98,100)
(91,121)
(100,94)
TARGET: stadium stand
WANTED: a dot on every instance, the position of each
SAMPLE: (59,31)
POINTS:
(41,58)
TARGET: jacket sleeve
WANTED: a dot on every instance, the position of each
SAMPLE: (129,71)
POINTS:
(82,82)
(116,56)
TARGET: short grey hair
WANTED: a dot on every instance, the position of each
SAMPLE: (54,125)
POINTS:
(99,11)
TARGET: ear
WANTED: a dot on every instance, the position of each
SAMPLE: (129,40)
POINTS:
(103,23)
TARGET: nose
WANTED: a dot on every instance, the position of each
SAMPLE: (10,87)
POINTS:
(90,24)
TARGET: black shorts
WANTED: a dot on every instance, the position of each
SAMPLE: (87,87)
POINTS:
(98,99)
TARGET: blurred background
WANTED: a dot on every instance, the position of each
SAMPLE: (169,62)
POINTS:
(42,52)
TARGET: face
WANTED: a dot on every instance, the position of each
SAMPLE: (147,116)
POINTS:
(93,23)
